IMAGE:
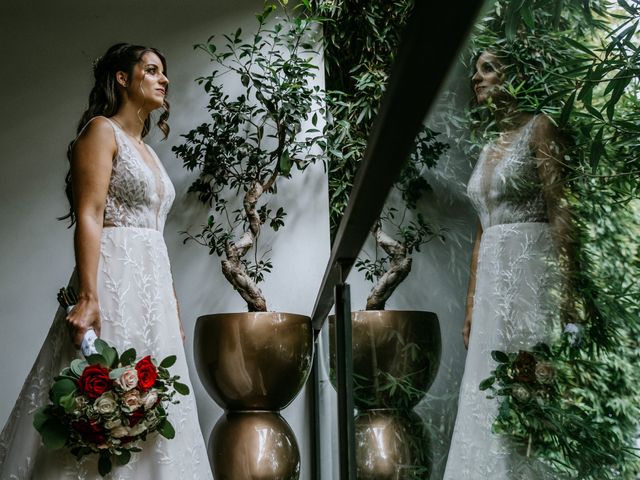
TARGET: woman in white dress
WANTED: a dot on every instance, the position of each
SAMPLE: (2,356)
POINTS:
(516,191)
(120,196)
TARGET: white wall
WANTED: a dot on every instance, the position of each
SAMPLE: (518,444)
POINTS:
(46,52)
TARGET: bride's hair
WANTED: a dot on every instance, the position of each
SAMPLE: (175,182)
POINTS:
(105,98)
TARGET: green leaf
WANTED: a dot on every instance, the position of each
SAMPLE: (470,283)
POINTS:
(128,357)
(527,15)
(123,457)
(487,383)
(181,388)
(285,163)
(168,362)
(597,149)
(40,417)
(580,46)
(104,464)
(116,372)
(566,109)
(54,433)
(68,402)
(499,356)
(97,359)
(77,367)
(61,388)
(167,430)
(109,353)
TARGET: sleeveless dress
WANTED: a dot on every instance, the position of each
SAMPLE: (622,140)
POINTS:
(138,309)
(512,308)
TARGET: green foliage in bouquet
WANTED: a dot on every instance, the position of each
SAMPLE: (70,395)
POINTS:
(579,62)
(107,404)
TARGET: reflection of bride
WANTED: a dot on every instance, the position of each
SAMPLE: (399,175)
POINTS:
(515,191)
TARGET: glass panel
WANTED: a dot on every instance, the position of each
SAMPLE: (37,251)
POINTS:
(520,214)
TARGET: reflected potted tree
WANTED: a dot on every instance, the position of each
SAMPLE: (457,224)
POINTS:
(256,361)
(396,354)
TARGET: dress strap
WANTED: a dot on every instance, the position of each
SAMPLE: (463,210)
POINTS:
(113,126)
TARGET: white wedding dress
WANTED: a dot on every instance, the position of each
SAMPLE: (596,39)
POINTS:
(138,309)
(512,304)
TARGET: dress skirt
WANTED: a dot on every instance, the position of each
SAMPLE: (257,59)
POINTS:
(512,311)
(138,309)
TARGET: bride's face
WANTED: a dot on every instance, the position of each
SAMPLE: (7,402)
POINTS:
(487,78)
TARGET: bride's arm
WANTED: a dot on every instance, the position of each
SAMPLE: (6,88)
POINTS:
(91,165)
(549,150)
(466,330)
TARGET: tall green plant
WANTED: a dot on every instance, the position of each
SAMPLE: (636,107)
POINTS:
(253,139)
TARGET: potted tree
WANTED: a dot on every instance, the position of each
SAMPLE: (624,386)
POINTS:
(253,361)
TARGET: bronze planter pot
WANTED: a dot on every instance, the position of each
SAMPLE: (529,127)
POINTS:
(254,445)
(395,357)
(253,360)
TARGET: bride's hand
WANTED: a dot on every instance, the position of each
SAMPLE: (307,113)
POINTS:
(85,315)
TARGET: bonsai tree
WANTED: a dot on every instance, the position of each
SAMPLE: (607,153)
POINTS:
(253,139)
(388,271)
(359,50)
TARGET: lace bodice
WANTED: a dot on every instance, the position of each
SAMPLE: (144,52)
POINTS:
(140,194)
(505,185)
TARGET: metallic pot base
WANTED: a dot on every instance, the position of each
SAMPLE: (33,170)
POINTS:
(253,360)
(391,348)
(253,446)
(392,445)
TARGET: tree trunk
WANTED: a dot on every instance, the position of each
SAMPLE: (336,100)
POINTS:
(233,268)
(399,268)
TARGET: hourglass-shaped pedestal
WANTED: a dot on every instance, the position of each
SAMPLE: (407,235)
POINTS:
(253,365)
(396,355)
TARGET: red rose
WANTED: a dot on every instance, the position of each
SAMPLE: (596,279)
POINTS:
(147,373)
(94,381)
(525,365)
(127,439)
(90,431)
(135,417)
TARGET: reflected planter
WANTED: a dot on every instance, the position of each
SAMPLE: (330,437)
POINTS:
(392,445)
(253,365)
(396,355)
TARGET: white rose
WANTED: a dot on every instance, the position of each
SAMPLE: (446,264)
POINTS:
(150,399)
(132,400)
(119,432)
(105,404)
(128,380)
(113,423)
(520,393)
(137,430)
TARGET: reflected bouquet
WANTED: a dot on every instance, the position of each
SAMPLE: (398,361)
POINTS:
(108,403)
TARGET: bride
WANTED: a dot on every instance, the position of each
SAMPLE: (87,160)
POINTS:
(120,195)
(515,190)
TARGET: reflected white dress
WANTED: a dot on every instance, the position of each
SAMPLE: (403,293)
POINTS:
(138,309)
(512,308)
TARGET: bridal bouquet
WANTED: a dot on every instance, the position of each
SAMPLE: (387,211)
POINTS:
(526,386)
(108,403)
